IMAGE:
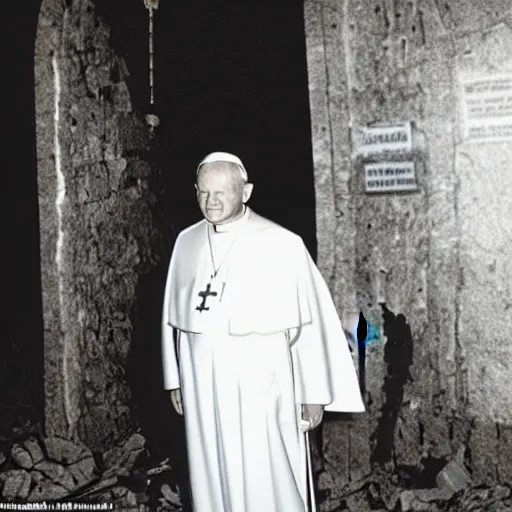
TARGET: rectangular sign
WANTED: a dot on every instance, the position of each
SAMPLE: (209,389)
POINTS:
(382,137)
(390,177)
(487,107)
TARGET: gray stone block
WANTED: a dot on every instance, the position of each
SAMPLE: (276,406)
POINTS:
(422,499)
(33,447)
(47,490)
(83,471)
(56,473)
(16,484)
(65,451)
(21,457)
(125,455)
(454,476)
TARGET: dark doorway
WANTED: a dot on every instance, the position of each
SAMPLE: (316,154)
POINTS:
(21,346)
(231,77)
(235,79)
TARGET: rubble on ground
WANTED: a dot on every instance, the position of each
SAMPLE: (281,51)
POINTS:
(58,470)
(53,469)
(382,491)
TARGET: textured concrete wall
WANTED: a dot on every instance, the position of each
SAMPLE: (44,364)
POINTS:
(429,268)
(97,233)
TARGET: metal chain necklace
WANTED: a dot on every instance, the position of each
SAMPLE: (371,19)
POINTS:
(237,229)
(216,268)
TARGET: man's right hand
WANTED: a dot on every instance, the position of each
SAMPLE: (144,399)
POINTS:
(176,400)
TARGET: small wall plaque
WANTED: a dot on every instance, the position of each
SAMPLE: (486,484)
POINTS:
(487,107)
(382,137)
(390,177)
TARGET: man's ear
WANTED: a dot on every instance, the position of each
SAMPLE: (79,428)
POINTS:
(248,187)
(195,185)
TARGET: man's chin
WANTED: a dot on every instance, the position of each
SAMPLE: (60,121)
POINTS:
(214,217)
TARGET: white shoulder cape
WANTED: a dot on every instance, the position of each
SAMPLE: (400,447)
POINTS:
(273,286)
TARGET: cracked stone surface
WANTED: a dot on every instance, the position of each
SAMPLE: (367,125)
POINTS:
(435,260)
(96,215)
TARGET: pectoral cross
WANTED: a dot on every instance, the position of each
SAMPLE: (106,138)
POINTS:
(204,295)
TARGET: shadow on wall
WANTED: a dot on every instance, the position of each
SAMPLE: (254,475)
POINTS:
(398,356)
(152,408)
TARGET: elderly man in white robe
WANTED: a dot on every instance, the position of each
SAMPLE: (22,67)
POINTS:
(253,350)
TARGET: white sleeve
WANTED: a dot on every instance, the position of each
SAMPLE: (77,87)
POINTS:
(323,367)
(169,357)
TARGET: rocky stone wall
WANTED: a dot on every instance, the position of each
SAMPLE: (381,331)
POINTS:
(430,268)
(96,221)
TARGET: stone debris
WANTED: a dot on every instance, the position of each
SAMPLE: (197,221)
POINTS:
(68,473)
(37,476)
(382,490)
(33,447)
(98,488)
(481,498)
(423,499)
(59,470)
(387,495)
(367,495)
(16,484)
(64,451)
(170,496)
(46,470)
(24,488)
(21,457)
(82,470)
(123,497)
(120,459)
(47,490)
(454,476)
(57,473)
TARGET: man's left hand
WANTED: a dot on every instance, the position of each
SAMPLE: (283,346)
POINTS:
(313,414)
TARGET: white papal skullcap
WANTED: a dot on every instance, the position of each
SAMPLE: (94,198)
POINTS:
(220,156)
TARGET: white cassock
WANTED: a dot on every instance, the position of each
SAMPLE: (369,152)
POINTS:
(247,358)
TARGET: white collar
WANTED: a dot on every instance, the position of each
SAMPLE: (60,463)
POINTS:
(231,226)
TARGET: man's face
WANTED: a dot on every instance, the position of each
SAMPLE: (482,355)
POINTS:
(221,192)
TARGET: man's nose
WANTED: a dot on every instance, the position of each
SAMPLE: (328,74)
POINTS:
(211,200)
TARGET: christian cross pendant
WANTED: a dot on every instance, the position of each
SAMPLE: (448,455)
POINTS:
(204,295)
